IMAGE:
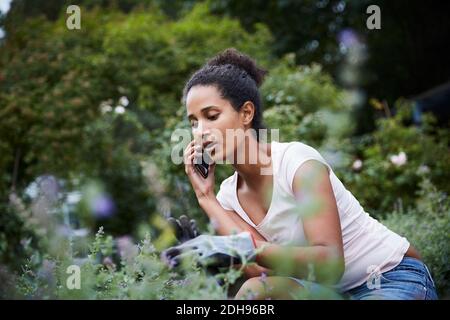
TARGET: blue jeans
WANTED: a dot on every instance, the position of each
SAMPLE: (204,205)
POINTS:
(409,280)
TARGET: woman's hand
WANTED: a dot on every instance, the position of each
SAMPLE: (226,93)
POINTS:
(203,187)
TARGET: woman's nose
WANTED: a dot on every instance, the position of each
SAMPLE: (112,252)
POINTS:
(201,131)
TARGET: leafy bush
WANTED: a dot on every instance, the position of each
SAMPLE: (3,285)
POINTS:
(137,273)
(18,239)
(93,104)
(393,159)
(427,227)
(305,104)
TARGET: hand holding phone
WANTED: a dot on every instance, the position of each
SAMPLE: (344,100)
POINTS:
(202,168)
(198,162)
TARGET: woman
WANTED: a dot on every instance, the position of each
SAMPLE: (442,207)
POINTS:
(311,220)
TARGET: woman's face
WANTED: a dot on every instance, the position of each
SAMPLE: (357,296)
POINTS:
(211,117)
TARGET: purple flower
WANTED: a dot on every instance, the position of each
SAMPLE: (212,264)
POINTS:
(127,249)
(102,206)
(348,38)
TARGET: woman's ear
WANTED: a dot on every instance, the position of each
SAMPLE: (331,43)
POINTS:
(247,113)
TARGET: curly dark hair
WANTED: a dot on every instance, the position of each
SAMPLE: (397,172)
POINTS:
(237,77)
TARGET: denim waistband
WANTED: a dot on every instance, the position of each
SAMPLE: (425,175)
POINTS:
(411,262)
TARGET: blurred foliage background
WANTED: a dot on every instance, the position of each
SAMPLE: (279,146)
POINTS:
(86,118)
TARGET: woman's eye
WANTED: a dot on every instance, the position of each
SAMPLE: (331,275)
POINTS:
(213,117)
(194,123)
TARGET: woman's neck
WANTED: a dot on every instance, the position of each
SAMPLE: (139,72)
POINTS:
(256,167)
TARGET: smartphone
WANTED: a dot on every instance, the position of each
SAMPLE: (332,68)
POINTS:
(202,168)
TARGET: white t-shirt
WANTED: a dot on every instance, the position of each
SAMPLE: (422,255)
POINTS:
(368,245)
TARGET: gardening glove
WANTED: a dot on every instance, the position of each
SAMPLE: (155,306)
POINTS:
(214,251)
(184,228)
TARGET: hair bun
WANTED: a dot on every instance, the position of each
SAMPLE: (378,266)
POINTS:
(231,56)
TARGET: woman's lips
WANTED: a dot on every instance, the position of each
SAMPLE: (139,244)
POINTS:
(210,148)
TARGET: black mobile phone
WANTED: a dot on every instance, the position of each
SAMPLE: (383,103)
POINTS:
(202,168)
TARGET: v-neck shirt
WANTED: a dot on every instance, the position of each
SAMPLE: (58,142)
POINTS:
(367,243)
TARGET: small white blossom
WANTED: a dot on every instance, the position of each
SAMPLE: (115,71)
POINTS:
(119,110)
(123,101)
(73,197)
(83,232)
(399,159)
(357,164)
(106,108)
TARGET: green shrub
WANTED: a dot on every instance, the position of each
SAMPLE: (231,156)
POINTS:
(138,273)
(17,240)
(304,103)
(394,158)
(427,228)
(60,91)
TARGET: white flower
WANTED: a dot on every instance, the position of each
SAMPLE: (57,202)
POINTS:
(123,101)
(399,159)
(73,197)
(357,164)
(119,110)
(80,233)
(32,190)
(106,108)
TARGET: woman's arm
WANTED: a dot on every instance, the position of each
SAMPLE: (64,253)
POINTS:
(317,207)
